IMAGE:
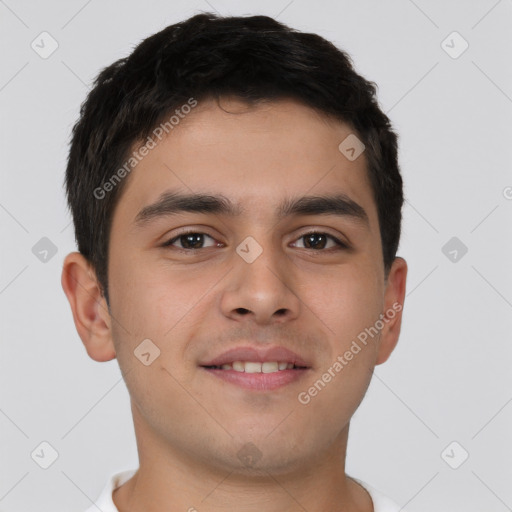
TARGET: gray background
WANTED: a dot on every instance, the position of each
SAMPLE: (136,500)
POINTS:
(449,378)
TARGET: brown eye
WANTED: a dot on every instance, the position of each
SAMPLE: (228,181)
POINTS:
(190,241)
(316,240)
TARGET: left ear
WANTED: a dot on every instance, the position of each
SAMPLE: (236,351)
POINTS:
(394,297)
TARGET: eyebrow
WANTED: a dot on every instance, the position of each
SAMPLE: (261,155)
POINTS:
(170,203)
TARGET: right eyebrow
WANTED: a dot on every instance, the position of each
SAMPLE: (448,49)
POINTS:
(172,202)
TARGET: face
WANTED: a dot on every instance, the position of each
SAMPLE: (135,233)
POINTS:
(253,297)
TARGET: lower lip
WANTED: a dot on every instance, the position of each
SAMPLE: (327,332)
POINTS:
(259,381)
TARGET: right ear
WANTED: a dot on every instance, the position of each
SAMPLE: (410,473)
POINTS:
(89,307)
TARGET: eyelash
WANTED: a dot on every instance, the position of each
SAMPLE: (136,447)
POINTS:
(340,245)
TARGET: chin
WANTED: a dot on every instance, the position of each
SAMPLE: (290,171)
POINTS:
(263,454)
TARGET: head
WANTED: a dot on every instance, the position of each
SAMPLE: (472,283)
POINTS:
(249,119)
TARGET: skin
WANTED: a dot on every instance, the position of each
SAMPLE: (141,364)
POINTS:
(190,425)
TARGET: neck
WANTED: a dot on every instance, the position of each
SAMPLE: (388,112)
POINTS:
(168,479)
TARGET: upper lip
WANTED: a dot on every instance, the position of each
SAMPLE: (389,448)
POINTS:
(257,354)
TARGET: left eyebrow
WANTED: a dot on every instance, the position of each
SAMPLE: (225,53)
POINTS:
(338,204)
(170,203)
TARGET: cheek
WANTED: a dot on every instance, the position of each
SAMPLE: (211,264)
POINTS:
(149,300)
(158,306)
(347,302)
(350,310)
(161,304)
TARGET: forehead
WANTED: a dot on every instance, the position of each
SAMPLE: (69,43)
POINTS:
(254,155)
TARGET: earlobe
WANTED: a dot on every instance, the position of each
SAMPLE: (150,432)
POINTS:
(394,298)
(89,308)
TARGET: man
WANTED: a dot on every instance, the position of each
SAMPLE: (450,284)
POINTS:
(237,206)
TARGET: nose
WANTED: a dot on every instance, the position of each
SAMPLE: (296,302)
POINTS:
(261,292)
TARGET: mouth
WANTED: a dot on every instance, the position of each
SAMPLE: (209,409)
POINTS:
(258,369)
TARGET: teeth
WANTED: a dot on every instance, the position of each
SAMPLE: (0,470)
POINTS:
(269,367)
(252,367)
(256,367)
(238,366)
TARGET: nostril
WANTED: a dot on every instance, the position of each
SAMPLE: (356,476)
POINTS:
(242,311)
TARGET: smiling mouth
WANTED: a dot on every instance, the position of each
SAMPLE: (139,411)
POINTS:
(257,367)
(258,376)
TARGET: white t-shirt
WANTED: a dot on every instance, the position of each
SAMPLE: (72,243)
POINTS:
(105,503)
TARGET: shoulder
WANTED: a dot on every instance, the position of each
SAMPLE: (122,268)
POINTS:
(104,501)
(381,503)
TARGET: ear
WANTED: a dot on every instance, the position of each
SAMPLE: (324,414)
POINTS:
(394,297)
(89,307)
